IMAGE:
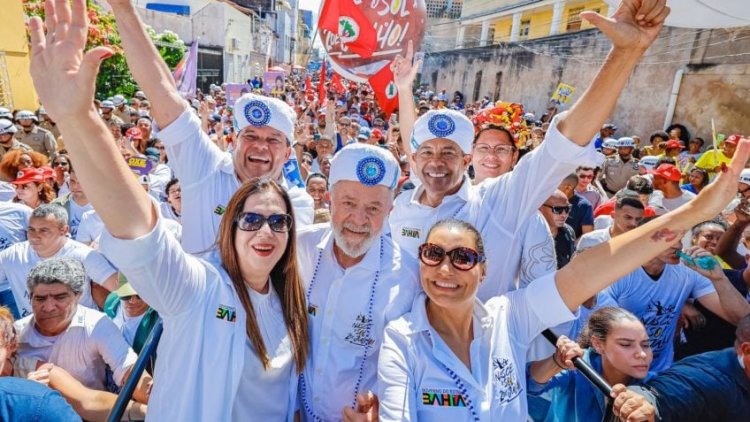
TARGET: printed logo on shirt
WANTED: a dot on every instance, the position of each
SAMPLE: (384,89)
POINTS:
(505,380)
(226,312)
(4,243)
(443,397)
(358,335)
(409,232)
(219,210)
(657,319)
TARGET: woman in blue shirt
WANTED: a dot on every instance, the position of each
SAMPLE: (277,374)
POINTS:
(614,342)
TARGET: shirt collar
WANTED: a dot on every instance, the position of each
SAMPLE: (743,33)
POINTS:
(79,320)
(420,323)
(371,260)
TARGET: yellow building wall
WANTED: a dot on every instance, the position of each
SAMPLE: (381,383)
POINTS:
(14,44)
(540,22)
(502,29)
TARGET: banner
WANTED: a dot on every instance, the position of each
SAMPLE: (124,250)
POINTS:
(385,90)
(235,91)
(273,82)
(186,72)
(562,94)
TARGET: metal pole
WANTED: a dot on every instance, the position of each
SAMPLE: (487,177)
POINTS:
(135,375)
(585,369)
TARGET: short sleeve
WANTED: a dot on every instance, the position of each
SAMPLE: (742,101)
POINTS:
(701,286)
(97,267)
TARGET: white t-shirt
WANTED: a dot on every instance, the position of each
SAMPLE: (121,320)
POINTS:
(602,222)
(420,378)
(7,191)
(342,352)
(128,325)
(658,199)
(90,227)
(91,342)
(208,181)
(266,386)
(497,207)
(76,213)
(14,221)
(17,261)
(658,304)
(591,239)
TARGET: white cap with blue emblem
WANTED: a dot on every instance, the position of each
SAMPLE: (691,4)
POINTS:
(367,164)
(445,124)
(258,111)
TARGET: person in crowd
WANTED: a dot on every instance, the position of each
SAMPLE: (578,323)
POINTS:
(673,148)
(555,211)
(657,141)
(712,161)
(131,314)
(728,246)
(17,160)
(61,166)
(441,146)
(324,147)
(144,124)
(159,175)
(7,140)
(14,222)
(40,140)
(720,379)
(172,207)
(581,215)
(47,239)
(625,216)
(668,193)
(75,202)
(493,153)
(60,331)
(616,171)
(614,343)
(31,189)
(697,180)
(678,132)
(607,131)
(657,291)
(357,280)
(638,185)
(317,187)
(609,147)
(245,299)
(122,109)
(586,187)
(689,157)
(46,123)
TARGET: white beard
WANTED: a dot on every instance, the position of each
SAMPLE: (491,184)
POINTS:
(350,249)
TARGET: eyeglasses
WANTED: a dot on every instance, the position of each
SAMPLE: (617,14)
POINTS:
(461,258)
(127,298)
(559,209)
(174,191)
(585,176)
(60,164)
(251,222)
(502,150)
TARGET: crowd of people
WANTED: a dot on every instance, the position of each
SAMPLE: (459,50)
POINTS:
(331,262)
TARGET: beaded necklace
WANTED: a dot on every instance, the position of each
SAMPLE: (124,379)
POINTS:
(303,384)
(464,392)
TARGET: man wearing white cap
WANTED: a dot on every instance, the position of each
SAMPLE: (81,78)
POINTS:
(441,146)
(617,171)
(122,109)
(208,176)
(40,140)
(107,107)
(356,279)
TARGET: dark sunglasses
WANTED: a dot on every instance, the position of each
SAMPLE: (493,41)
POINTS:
(559,209)
(461,258)
(251,222)
(127,298)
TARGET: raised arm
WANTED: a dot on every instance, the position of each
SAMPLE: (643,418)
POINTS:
(147,66)
(726,249)
(404,73)
(64,78)
(583,277)
(632,29)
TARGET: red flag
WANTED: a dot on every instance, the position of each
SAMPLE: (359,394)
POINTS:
(344,19)
(336,84)
(308,85)
(385,90)
(322,85)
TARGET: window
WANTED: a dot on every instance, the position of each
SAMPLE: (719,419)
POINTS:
(434,77)
(523,32)
(574,20)
(498,85)
(477,85)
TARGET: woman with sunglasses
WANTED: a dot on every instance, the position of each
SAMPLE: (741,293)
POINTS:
(61,166)
(236,329)
(454,358)
(614,343)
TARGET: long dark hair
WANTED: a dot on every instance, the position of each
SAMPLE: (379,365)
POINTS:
(601,322)
(285,275)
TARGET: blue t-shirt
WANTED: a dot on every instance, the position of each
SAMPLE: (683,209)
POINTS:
(658,304)
(29,401)
(581,214)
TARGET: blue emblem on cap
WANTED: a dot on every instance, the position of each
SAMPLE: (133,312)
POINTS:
(257,113)
(370,171)
(441,125)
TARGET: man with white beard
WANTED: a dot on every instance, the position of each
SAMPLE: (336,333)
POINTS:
(356,281)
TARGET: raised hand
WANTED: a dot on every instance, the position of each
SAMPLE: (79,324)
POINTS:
(64,76)
(404,70)
(635,24)
(715,197)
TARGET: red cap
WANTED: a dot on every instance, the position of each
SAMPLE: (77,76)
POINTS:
(134,133)
(28,175)
(733,139)
(377,133)
(673,143)
(668,172)
(47,172)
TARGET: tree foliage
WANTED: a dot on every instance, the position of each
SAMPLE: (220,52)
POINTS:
(114,76)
